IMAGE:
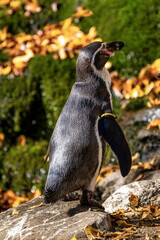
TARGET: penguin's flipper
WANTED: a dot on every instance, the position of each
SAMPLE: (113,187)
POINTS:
(110,130)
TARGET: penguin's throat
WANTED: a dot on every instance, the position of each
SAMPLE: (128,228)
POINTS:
(105,51)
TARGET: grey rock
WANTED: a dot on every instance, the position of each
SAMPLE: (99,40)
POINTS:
(145,142)
(146,115)
(60,221)
(113,182)
(143,134)
(147,191)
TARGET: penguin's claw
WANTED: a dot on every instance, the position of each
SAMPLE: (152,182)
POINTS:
(87,200)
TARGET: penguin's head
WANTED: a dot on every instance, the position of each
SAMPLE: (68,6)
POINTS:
(95,55)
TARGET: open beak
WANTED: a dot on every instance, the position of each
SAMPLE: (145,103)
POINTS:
(112,47)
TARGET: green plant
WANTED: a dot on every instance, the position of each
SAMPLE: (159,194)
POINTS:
(23,167)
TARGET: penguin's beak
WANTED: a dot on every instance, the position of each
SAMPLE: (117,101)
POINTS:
(112,47)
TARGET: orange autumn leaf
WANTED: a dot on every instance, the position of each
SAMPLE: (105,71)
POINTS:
(135,157)
(66,24)
(154,124)
(35,206)
(138,178)
(20,61)
(2,136)
(4,2)
(9,194)
(147,165)
(156,64)
(149,88)
(5,70)
(22,140)
(64,39)
(133,199)
(82,13)
(37,193)
(3,34)
(15,4)
(32,6)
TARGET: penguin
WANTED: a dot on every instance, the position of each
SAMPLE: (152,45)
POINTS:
(85,125)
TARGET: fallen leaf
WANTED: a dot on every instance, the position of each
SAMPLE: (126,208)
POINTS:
(135,157)
(147,165)
(147,216)
(130,229)
(37,193)
(92,233)
(122,223)
(156,64)
(149,88)
(4,2)
(15,212)
(22,140)
(82,13)
(15,4)
(154,123)
(35,206)
(2,136)
(32,6)
(115,234)
(5,70)
(133,200)
(123,236)
(138,178)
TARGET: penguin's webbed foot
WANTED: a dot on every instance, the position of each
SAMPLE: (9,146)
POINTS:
(87,200)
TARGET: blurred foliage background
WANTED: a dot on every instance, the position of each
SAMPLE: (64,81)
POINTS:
(30,103)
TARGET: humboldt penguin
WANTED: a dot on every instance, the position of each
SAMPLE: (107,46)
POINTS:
(86,123)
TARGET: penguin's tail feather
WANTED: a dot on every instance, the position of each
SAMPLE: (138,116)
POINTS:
(56,188)
(52,195)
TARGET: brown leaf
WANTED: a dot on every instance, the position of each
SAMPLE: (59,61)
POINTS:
(114,234)
(92,233)
(138,178)
(123,236)
(147,216)
(133,200)
(123,223)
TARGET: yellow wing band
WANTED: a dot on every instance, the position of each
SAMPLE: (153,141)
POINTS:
(108,114)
